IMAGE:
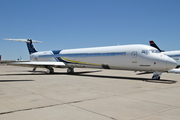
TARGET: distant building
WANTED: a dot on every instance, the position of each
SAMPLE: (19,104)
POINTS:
(0,57)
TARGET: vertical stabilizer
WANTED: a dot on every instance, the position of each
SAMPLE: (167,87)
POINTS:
(31,47)
(154,45)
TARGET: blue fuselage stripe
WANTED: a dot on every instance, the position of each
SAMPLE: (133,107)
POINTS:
(86,54)
(54,57)
(174,55)
(56,51)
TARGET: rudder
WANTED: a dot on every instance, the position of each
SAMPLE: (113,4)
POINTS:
(31,47)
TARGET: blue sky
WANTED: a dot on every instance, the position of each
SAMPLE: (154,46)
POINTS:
(64,24)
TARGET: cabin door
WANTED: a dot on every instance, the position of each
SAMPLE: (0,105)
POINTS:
(134,57)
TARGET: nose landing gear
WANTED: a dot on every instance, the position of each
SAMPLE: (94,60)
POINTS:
(156,75)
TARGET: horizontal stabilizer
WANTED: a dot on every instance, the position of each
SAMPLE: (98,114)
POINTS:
(24,40)
(29,43)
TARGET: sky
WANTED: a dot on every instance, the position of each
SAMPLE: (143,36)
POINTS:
(66,24)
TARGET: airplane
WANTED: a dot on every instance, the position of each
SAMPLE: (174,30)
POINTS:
(134,57)
(5,61)
(173,54)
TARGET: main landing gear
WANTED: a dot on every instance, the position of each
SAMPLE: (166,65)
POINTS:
(50,70)
(156,75)
(34,69)
(70,70)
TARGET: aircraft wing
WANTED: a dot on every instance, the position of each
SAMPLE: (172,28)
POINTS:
(38,64)
(10,61)
(6,61)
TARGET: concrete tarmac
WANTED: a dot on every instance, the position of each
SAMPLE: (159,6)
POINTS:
(89,94)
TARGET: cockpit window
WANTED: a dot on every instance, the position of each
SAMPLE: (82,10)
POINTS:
(155,51)
(150,51)
(145,51)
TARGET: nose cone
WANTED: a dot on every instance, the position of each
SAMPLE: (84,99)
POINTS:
(171,63)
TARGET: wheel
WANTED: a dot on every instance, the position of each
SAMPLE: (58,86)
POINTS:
(50,71)
(156,77)
(70,70)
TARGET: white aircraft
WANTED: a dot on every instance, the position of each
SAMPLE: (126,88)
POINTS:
(173,54)
(121,57)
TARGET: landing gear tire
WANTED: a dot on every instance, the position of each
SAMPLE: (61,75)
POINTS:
(50,71)
(70,70)
(156,75)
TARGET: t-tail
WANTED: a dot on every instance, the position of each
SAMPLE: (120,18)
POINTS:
(31,47)
(29,43)
(154,45)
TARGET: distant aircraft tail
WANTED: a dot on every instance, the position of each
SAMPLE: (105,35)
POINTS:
(154,45)
(29,43)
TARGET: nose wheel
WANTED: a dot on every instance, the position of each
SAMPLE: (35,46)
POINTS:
(156,75)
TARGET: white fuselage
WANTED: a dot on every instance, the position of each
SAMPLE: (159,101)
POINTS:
(175,55)
(125,57)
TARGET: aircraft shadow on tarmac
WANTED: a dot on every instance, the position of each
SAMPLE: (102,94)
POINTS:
(14,80)
(164,81)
